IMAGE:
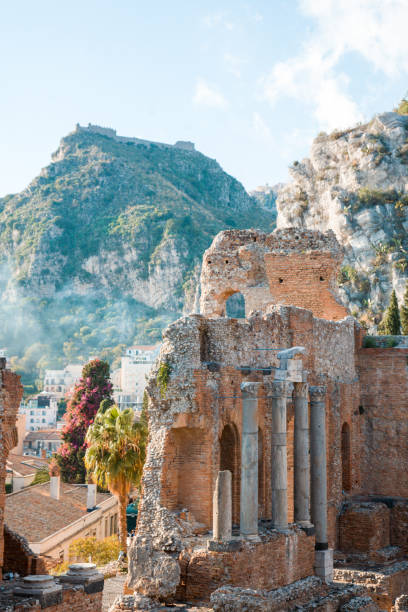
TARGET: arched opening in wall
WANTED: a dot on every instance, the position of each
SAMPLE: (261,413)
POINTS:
(235,306)
(345,457)
(230,460)
(185,483)
(261,476)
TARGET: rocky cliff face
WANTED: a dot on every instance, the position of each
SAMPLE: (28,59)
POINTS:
(110,236)
(355,182)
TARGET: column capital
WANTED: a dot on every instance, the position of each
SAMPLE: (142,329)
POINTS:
(280,388)
(250,388)
(318,393)
(301,389)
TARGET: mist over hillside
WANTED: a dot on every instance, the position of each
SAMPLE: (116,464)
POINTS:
(103,248)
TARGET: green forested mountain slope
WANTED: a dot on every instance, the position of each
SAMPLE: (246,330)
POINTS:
(104,247)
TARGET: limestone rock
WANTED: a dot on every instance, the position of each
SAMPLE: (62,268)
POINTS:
(355,182)
(152,573)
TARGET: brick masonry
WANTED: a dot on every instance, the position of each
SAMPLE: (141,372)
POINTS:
(11,392)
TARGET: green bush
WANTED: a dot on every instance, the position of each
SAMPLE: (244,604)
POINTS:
(41,476)
(100,551)
(369,342)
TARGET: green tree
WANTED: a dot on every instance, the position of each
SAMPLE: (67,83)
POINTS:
(391,323)
(115,457)
(404,312)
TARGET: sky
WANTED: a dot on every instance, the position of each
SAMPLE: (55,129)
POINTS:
(251,83)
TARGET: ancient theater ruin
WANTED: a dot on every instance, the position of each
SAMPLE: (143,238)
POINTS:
(276,472)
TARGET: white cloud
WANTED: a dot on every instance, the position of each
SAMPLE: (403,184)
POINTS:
(219,19)
(375,29)
(260,127)
(207,95)
(234,64)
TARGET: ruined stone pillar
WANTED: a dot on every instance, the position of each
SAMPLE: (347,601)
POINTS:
(222,506)
(324,556)
(279,457)
(249,460)
(301,455)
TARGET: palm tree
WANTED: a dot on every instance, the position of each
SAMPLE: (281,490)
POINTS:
(115,456)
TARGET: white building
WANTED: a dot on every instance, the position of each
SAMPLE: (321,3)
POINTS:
(130,380)
(61,382)
(40,412)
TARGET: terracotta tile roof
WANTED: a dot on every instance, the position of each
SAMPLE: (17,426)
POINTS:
(43,434)
(35,515)
(24,464)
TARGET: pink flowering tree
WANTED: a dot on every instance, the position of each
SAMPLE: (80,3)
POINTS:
(89,392)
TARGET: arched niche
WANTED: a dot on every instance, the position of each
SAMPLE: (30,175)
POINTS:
(230,458)
(235,306)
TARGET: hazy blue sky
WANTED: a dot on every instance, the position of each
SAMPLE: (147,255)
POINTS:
(251,83)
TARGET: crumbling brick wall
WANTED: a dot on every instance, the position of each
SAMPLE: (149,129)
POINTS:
(11,392)
(384,427)
(264,268)
(18,557)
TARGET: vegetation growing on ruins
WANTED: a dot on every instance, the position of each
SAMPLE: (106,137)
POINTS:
(92,389)
(163,377)
(115,456)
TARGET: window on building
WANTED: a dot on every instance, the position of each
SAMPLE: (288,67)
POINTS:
(31,420)
(61,555)
(115,523)
(31,411)
(43,420)
(111,526)
(49,446)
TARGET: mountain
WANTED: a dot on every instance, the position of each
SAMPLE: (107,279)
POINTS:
(266,196)
(355,182)
(104,247)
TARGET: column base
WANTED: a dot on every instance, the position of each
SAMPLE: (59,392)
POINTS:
(323,565)
(224,545)
(307,527)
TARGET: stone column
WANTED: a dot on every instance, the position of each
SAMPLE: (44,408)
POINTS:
(279,457)
(324,556)
(301,456)
(222,506)
(249,460)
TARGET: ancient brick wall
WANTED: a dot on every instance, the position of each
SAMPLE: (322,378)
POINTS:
(11,393)
(74,599)
(313,289)
(289,266)
(384,426)
(18,557)
(274,562)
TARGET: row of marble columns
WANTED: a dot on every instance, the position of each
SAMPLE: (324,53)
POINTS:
(310,480)
(309,458)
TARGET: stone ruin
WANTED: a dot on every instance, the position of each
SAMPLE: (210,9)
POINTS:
(276,470)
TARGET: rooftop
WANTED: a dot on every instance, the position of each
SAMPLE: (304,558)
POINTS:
(48,515)
(43,434)
(23,465)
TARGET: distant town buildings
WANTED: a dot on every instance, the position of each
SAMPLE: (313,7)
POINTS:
(60,382)
(21,470)
(43,442)
(130,379)
(40,412)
